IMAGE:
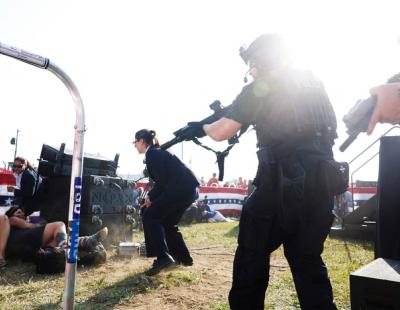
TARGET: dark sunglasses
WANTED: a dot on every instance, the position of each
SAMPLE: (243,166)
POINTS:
(17,166)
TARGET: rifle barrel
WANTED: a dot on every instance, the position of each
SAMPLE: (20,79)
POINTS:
(350,139)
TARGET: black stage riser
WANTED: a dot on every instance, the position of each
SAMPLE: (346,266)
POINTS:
(388,226)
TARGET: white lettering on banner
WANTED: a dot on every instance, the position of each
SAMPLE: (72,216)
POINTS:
(77,208)
(78,197)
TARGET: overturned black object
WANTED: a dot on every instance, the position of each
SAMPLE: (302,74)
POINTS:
(105,201)
(376,285)
(54,162)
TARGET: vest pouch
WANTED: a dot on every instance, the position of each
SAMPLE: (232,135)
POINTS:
(335,175)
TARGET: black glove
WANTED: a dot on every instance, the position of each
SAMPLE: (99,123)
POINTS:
(197,128)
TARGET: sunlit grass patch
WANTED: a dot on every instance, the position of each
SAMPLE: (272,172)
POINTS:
(223,234)
(220,306)
(178,278)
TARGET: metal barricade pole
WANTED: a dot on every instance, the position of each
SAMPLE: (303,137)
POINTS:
(77,165)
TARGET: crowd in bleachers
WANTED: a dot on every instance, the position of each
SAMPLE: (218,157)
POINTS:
(214,182)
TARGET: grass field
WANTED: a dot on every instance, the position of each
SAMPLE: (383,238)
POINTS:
(121,284)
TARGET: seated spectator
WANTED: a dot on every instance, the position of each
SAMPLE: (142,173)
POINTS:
(25,238)
(213,181)
(29,186)
(205,213)
(202,181)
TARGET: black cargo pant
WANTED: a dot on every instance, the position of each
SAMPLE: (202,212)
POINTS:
(261,232)
(161,232)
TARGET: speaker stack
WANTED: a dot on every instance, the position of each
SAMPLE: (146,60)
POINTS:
(377,284)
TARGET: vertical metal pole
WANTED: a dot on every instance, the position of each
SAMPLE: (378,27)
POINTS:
(77,164)
(75,189)
(16,145)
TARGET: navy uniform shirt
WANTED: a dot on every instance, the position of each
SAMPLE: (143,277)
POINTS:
(174,181)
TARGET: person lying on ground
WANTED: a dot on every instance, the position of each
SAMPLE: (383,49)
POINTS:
(25,238)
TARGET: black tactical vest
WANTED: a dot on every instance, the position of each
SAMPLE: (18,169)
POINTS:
(295,109)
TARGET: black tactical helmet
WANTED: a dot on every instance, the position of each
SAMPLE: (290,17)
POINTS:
(268,50)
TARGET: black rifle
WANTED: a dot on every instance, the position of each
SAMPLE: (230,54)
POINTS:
(187,133)
(357,120)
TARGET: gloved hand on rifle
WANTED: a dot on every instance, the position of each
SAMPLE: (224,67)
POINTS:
(197,128)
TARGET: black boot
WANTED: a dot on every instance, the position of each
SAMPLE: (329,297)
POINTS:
(160,264)
(88,243)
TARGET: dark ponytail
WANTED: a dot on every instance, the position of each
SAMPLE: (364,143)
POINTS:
(149,137)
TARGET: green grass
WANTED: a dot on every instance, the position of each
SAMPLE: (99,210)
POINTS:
(209,234)
(180,278)
(120,280)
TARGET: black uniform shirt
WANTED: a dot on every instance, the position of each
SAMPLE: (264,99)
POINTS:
(285,105)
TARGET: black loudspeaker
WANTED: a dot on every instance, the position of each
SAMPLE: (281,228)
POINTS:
(105,201)
(56,162)
(376,286)
(388,225)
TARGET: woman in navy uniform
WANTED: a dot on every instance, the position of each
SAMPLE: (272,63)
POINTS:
(175,188)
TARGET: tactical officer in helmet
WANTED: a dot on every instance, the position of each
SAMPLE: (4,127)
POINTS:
(295,126)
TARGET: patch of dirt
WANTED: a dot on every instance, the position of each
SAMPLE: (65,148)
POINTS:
(213,266)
